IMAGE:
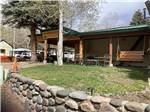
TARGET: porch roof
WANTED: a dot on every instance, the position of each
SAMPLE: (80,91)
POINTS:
(141,29)
(67,31)
(117,30)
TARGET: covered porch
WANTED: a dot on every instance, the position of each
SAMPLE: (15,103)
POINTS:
(124,45)
(49,39)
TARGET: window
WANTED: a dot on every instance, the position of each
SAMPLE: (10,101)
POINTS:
(2,51)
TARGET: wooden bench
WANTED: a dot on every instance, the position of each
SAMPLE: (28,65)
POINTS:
(137,56)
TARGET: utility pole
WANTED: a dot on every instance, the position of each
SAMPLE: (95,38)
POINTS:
(14,39)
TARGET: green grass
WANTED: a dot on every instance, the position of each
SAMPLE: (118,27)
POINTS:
(102,79)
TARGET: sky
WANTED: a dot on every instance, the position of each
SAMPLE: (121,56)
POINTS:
(119,12)
(114,13)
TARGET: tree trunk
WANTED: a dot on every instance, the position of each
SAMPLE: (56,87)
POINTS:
(60,40)
(33,43)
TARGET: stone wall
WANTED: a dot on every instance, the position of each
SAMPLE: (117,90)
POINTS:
(40,97)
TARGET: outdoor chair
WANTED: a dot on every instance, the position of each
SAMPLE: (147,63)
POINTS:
(103,60)
(106,59)
(77,59)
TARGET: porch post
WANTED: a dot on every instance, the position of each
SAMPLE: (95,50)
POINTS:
(110,52)
(148,50)
(81,50)
(76,46)
(45,51)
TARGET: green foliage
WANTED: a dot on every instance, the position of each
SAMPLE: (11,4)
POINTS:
(26,13)
(138,18)
(102,79)
(46,14)
(33,15)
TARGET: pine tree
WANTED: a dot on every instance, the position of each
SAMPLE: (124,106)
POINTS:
(33,15)
(138,18)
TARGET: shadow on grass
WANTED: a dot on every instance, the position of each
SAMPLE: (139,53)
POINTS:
(135,73)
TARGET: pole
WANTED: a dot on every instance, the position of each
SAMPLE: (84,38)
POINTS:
(45,51)
(14,39)
(110,52)
(81,51)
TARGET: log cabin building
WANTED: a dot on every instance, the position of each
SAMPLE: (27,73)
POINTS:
(128,45)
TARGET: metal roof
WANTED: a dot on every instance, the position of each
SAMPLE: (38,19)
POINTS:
(116,30)
(67,31)
(123,29)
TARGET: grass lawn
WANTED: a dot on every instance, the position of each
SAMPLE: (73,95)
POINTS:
(102,79)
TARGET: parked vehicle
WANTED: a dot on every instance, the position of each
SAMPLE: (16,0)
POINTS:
(22,54)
